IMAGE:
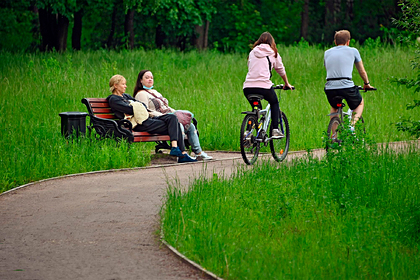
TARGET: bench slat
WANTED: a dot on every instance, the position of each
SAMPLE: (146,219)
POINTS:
(102,110)
(105,116)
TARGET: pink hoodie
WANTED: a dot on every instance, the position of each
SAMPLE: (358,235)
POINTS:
(258,72)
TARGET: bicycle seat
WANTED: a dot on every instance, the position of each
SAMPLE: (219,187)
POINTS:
(255,100)
(339,101)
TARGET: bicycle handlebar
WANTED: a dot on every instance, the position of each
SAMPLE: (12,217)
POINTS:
(368,89)
(282,87)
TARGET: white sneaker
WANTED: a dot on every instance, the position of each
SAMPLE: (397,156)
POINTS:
(203,156)
(277,134)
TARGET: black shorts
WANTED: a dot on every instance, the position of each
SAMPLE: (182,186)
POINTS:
(351,95)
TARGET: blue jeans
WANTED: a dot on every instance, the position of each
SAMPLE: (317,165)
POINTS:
(193,139)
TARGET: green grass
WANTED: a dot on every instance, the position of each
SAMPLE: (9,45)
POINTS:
(353,215)
(35,88)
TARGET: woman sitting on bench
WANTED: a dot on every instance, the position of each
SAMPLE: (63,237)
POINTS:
(119,101)
(158,105)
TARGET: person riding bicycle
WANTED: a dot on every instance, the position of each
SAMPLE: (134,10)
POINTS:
(261,60)
(338,62)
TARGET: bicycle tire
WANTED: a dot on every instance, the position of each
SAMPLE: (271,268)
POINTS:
(280,147)
(333,132)
(250,148)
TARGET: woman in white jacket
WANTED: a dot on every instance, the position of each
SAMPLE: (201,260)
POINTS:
(261,60)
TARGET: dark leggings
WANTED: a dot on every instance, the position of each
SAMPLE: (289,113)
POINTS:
(271,96)
(166,125)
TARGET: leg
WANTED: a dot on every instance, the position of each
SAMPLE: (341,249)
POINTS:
(271,97)
(193,139)
(357,112)
(165,124)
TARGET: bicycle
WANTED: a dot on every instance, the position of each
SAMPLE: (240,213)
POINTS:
(335,127)
(254,131)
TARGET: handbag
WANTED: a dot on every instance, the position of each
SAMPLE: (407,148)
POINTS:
(184,117)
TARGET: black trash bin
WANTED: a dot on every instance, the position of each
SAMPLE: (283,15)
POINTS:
(73,122)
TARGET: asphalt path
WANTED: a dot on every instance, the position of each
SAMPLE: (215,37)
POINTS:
(102,225)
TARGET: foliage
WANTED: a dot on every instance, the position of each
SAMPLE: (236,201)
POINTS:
(238,24)
(171,24)
(410,21)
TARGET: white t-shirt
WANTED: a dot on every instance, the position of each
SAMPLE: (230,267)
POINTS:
(338,62)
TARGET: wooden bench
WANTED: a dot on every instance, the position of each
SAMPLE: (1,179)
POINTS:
(106,125)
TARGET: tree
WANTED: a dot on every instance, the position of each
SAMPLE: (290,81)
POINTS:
(54,23)
(305,20)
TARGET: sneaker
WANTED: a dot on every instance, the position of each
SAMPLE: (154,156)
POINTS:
(176,152)
(277,134)
(186,158)
(203,156)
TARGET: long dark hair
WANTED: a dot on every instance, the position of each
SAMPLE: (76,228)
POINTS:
(267,38)
(139,85)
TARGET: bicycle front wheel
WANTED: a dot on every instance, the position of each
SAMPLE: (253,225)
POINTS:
(250,147)
(280,147)
(333,133)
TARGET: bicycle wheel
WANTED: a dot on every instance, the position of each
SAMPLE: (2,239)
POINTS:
(249,146)
(333,133)
(280,147)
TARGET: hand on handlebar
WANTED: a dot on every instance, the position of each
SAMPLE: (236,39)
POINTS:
(284,87)
(288,86)
(366,88)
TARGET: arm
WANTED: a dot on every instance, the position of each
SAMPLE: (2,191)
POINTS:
(118,104)
(279,67)
(286,82)
(362,72)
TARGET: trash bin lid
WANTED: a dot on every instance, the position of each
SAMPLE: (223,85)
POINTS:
(73,114)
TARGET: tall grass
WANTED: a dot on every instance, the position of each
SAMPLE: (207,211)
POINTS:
(353,215)
(35,88)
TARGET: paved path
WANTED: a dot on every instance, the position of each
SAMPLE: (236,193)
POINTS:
(96,226)
(99,225)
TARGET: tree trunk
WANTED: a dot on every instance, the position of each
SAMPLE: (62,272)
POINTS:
(47,28)
(62,32)
(201,42)
(54,28)
(332,18)
(159,37)
(305,20)
(129,28)
(332,12)
(349,10)
(110,41)
(77,31)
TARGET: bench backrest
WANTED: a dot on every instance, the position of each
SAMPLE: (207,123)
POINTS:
(99,107)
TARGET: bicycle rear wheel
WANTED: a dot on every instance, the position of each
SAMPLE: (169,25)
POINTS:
(280,147)
(333,133)
(249,146)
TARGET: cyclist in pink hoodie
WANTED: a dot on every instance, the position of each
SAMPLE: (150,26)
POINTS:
(261,60)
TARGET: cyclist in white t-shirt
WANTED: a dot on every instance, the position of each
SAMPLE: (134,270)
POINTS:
(338,62)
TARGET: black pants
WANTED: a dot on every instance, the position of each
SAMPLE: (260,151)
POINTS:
(271,96)
(165,125)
